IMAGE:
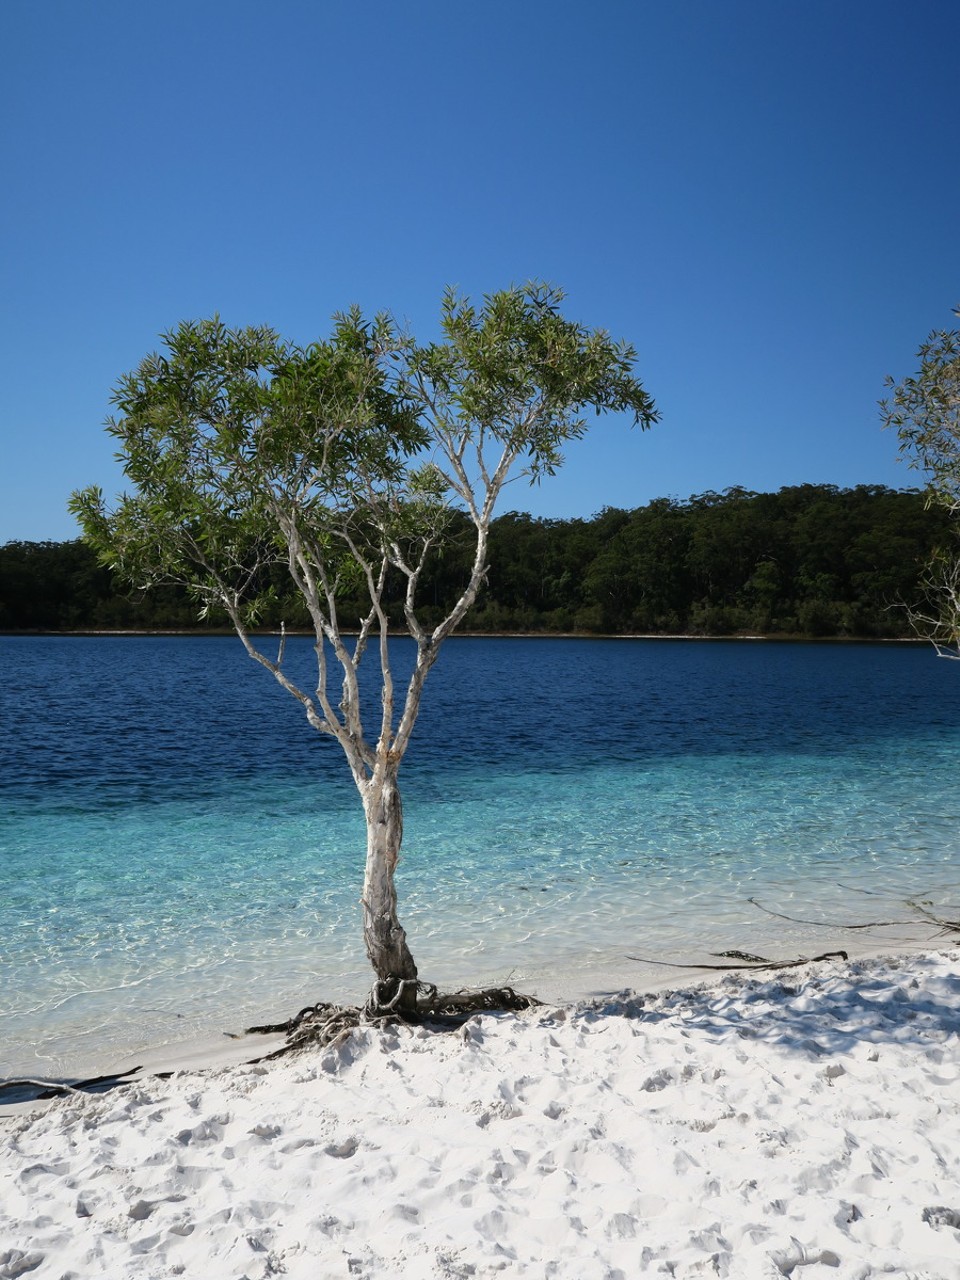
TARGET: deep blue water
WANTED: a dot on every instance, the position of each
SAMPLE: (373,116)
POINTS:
(178,846)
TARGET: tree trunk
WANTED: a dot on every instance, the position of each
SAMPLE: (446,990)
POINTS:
(383,935)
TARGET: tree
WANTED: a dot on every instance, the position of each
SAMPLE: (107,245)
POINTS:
(925,411)
(347,463)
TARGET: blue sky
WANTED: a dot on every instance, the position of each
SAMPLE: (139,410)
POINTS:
(763,197)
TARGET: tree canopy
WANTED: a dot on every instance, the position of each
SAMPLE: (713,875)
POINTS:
(924,410)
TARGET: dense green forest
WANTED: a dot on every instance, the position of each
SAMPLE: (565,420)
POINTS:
(809,560)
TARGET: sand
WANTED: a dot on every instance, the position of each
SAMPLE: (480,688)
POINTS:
(806,1124)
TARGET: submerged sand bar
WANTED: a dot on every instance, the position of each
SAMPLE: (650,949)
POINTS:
(805,1123)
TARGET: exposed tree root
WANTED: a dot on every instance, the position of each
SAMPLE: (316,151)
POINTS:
(321,1024)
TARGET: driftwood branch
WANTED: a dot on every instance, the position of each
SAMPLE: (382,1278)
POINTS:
(949,926)
(51,1088)
(767,964)
(46,1089)
(870,924)
(745,960)
(826,924)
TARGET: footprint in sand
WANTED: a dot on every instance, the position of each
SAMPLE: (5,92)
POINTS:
(14,1263)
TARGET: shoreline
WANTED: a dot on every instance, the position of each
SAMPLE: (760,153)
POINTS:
(466,634)
(221,1048)
(746,1126)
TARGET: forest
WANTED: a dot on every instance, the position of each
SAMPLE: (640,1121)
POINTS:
(809,560)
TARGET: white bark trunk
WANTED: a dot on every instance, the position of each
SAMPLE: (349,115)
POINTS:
(383,935)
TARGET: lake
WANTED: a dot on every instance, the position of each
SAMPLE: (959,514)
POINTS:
(182,853)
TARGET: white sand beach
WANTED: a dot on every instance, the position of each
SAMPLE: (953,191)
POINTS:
(805,1123)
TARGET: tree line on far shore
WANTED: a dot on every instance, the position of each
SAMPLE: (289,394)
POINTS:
(809,560)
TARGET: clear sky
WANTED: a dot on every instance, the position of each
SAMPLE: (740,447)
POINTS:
(763,197)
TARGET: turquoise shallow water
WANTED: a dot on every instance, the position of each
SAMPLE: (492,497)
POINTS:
(181,853)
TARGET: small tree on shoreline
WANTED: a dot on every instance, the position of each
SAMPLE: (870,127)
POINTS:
(342,462)
(925,411)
